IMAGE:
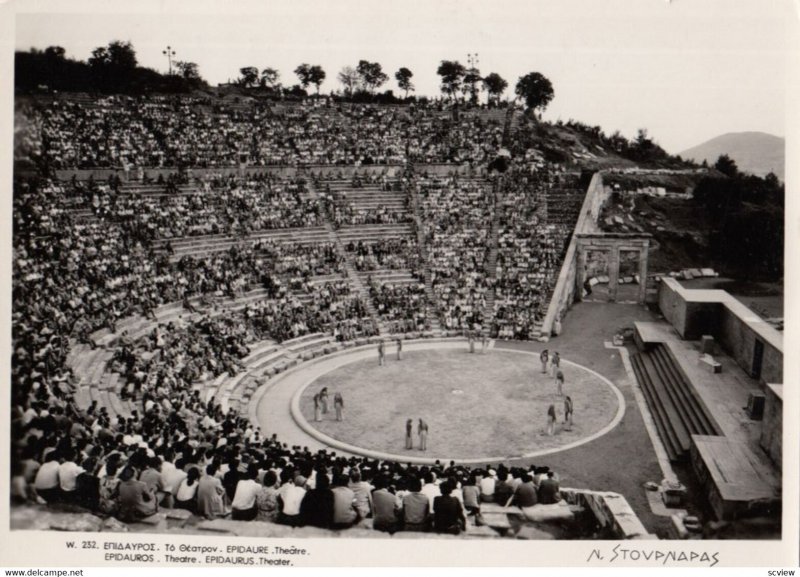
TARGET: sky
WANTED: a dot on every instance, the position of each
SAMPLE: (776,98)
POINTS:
(686,70)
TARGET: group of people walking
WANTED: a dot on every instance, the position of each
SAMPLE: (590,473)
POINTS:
(321,405)
(551,364)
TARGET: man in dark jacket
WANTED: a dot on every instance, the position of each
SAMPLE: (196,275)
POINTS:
(448,516)
(549,491)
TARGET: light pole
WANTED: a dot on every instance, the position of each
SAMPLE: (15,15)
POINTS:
(169,53)
(472,61)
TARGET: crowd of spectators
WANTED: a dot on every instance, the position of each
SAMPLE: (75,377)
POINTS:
(88,254)
(389,253)
(348,210)
(213,204)
(529,253)
(159,131)
(185,453)
(402,306)
(457,214)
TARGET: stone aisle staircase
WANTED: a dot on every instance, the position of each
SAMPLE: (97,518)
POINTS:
(433,313)
(356,284)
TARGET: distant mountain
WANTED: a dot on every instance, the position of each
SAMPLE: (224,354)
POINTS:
(758,153)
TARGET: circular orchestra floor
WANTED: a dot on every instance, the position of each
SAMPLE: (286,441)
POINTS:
(479,407)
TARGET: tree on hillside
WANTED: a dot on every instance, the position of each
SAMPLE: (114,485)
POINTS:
(310,74)
(54,52)
(495,85)
(117,55)
(746,216)
(472,77)
(188,70)
(536,90)
(452,73)
(348,76)
(271,79)
(317,76)
(249,76)
(112,65)
(403,77)
(726,165)
(371,74)
(303,73)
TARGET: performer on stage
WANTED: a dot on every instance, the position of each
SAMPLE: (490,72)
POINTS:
(551,420)
(409,433)
(338,405)
(544,357)
(555,363)
(399,349)
(422,430)
(568,413)
(323,399)
(317,408)
(560,383)
(381,354)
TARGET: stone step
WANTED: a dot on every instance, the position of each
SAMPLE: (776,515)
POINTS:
(263,349)
(109,381)
(82,398)
(117,405)
(262,364)
(212,387)
(95,396)
(309,344)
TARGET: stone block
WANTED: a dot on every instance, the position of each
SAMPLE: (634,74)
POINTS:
(216,526)
(178,514)
(673,493)
(84,522)
(709,361)
(496,520)
(491,508)
(533,533)
(707,344)
(421,535)
(482,531)
(153,519)
(114,526)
